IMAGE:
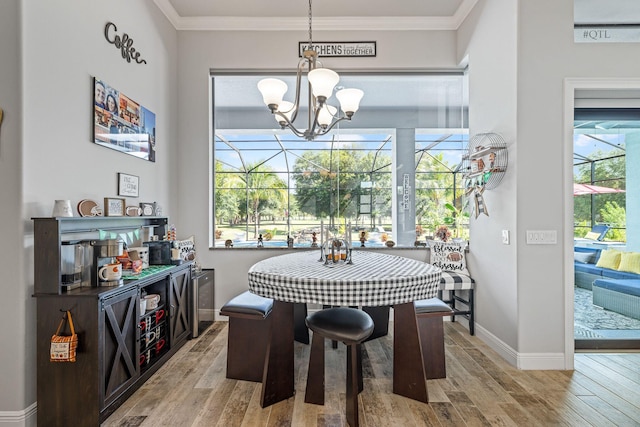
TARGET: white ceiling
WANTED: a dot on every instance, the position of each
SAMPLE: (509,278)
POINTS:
(277,15)
(360,14)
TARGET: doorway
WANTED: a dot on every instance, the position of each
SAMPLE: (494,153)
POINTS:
(605,124)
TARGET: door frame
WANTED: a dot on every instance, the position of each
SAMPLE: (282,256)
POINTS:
(571,85)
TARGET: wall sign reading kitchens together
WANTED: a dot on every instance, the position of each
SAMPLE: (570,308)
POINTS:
(344,49)
(124,43)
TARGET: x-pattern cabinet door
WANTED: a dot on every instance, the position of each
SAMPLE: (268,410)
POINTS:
(119,332)
(179,300)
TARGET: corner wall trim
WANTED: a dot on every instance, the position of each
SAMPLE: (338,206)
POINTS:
(24,418)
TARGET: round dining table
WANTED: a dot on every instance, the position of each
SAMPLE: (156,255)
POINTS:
(373,279)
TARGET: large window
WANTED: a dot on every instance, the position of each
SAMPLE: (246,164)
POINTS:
(272,185)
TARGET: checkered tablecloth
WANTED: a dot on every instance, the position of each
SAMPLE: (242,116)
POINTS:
(374,279)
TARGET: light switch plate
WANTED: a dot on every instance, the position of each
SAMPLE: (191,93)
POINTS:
(505,237)
(542,237)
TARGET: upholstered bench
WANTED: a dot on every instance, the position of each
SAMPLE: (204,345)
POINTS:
(429,313)
(454,284)
(619,295)
(249,327)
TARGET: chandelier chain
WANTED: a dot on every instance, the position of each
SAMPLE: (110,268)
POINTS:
(310,35)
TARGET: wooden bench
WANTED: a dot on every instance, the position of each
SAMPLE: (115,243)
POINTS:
(429,313)
(249,327)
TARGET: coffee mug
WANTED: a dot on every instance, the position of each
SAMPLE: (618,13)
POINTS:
(159,315)
(159,345)
(143,305)
(152,301)
(143,325)
(110,272)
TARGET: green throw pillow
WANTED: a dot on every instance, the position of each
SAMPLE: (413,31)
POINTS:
(609,259)
(630,261)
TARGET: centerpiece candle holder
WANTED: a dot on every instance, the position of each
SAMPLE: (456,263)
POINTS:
(335,251)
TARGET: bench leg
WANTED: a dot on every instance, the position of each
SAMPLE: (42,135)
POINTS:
(432,343)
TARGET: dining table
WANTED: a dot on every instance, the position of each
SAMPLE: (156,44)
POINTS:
(368,278)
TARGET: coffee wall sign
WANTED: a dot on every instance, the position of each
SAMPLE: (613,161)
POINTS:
(124,43)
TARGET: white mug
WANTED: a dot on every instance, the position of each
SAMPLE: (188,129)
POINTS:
(152,301)
(62,208)
(110,272)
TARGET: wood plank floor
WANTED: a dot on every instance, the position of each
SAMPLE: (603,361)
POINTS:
(481,389)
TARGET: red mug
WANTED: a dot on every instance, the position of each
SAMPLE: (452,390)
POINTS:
(143,358)
(143,325)
(159,315)
(159,345)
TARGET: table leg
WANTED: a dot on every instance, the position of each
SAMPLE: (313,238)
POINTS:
(277,380)
(409,378)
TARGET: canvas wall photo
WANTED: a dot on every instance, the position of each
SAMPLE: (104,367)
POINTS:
(121,123)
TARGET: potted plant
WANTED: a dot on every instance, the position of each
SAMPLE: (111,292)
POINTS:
(456,218)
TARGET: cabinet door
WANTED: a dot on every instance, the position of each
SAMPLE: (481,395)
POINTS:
(179,305)
(119,366)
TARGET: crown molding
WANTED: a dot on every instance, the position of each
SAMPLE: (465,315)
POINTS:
(352,23)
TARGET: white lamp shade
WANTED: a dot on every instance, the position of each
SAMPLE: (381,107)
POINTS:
(272,91)
(349,99)
(285,108)
(326,115)
(323,80)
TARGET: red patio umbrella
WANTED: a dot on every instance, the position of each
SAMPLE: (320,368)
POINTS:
(582,189)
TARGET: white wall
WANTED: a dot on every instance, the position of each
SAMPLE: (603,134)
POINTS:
(62,47)
(17,320)
(200,51)
(488,42)
(532,276)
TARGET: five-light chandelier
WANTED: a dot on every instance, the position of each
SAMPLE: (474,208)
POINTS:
(322,117)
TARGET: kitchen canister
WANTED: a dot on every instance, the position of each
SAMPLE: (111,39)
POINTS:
(62,208)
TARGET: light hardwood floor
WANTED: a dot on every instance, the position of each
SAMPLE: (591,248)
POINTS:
(481,389)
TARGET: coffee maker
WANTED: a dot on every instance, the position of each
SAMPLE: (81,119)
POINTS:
(105,252)
(72,262)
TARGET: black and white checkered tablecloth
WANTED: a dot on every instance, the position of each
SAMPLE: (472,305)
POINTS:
(374,279)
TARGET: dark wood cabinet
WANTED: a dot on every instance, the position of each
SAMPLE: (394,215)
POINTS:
(119,347)
(118,332)
(179,305)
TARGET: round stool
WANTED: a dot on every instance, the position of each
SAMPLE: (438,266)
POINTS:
(352,327)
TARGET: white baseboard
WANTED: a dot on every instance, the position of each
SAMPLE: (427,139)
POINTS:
(524,361)
(24,418)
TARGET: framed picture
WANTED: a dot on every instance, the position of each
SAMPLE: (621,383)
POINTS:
(127,185)
(122,124)
(113,206)
(148,209)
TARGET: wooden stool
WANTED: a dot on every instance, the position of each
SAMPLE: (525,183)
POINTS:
(249,326)
(352,327)
(430,313)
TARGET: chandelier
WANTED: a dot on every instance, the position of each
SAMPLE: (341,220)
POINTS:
(322,117)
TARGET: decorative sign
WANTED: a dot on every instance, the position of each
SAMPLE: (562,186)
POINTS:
(406,192)
(343,49)
(127,185)
(124,43)
(606,34)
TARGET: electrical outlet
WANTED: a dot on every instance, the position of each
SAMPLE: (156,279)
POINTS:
(505,237)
